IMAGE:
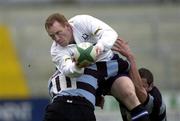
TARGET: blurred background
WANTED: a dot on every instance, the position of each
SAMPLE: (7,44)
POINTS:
(152,28)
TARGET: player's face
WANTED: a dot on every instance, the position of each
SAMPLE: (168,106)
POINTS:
(61,34)
(146,85)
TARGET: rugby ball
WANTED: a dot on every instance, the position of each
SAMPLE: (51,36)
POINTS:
(85,54)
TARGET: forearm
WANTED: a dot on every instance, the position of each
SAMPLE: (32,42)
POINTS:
(67,66)
(71,70)
(122,47)
(134,74)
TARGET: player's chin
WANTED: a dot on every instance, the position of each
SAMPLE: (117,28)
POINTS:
(63,44)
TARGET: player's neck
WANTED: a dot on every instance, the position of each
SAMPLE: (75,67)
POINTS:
(72,42)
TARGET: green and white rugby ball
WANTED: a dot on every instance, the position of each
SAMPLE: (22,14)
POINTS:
(85,54)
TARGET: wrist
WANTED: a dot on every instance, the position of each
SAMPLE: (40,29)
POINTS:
(131,57)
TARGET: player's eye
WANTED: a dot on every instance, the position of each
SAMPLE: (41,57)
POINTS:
(52,36)
(59,33)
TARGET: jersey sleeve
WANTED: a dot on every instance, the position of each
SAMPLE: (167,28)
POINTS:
(104,34)
(149,103)
(157,113)
(64,63)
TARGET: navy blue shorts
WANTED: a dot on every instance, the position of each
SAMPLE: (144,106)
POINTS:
(106,72)
(69,108)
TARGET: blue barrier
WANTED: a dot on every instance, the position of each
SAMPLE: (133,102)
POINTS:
(23,110)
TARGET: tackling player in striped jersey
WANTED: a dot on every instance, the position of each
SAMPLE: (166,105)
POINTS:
(147,93)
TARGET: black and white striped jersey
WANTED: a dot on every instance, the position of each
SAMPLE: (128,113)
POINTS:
(84,86)
(158,111)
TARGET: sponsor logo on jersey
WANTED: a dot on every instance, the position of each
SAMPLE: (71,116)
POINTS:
(85,36)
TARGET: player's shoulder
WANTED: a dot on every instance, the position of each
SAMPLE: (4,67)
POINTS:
(155,92)
(80,18)
(149,100)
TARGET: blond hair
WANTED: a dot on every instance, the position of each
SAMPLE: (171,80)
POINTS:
(55,17)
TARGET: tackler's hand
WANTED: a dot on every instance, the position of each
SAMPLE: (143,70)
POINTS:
(100,101)
(122,47)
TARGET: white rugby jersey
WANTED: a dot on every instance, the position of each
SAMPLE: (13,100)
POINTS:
(85,29)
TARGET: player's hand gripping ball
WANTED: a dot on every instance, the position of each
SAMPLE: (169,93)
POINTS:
(85,54)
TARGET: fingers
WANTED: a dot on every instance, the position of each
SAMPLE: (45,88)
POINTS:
(116,48)
(121,41)
(121,46)
(98,51)
(118,41)
(118,45)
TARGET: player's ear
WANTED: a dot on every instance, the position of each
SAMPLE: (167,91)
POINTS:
(68,26)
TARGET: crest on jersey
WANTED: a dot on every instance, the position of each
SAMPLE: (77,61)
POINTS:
(85,36)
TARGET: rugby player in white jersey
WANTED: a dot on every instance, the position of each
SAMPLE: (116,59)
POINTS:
(108,73)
